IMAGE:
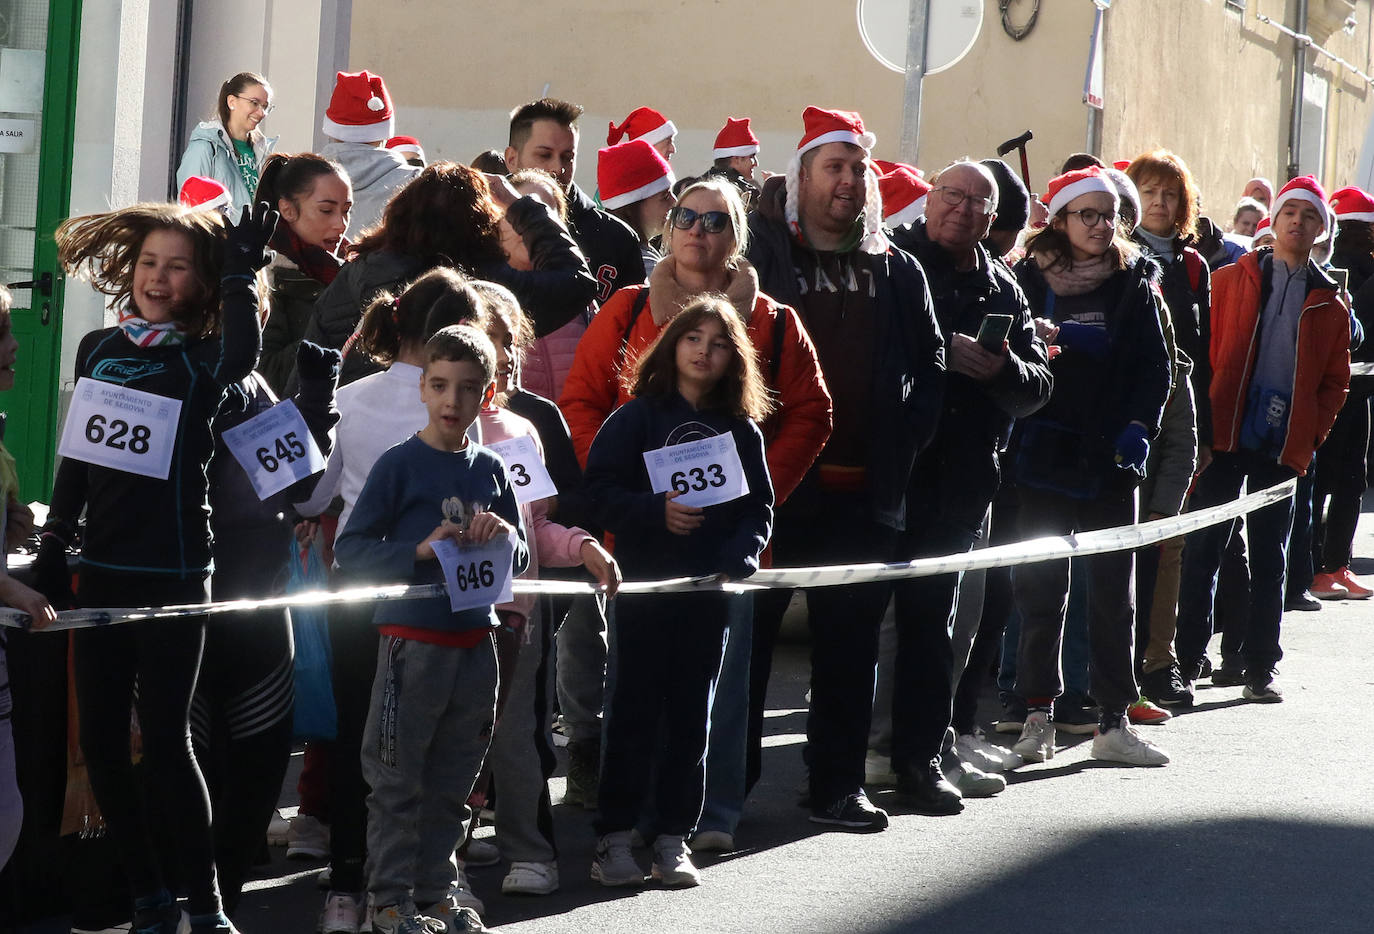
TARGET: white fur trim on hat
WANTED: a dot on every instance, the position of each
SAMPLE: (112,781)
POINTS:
(908,214)
(1084,186)
(732,151)
(864,141)
(1298,193)
(369,133)
(662,183)
(665,130)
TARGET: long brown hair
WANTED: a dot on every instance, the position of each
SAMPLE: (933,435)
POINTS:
(741,391)
(444,215)
(1053,243)
(103,249)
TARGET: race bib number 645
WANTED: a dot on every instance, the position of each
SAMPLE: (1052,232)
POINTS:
(121,428)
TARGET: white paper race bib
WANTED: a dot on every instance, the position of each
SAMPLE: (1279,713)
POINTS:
(705,472)
(121,428)
(276,448)
(477,575)
(529,478)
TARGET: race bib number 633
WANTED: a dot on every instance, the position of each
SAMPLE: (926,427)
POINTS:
(705,472)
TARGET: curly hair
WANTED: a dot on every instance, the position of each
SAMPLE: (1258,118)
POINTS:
(1163,165)
(741,391)
(445,216)
(104,248)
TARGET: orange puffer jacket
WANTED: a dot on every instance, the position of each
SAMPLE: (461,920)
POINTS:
(1323,362)
(794,434)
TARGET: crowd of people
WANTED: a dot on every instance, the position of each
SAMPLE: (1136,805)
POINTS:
(489,373)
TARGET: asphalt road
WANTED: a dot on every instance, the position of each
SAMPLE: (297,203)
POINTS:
(1261,823)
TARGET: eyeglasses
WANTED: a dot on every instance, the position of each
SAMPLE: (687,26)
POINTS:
(954,197)
(264,106)
(712,222)
(1092,218)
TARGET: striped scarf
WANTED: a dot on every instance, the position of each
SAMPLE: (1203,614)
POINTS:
(147,334)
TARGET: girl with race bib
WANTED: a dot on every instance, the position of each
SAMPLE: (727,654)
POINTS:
(699,381)
(185,292)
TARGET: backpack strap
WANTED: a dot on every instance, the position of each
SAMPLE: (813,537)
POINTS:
(636,309)
(779,332)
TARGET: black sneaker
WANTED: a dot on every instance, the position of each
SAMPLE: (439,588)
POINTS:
(1204,668)
(1229,674)
(584,773)
(854,812)
(1073,714)
(1165,687)
(1013,716)
(1262,689)
(1303,602)
(925,790)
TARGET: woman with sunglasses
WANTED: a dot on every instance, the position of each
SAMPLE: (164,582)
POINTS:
(1078,460)
(704,243)
(231,148)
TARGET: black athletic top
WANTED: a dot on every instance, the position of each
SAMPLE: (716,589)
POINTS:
(140,524)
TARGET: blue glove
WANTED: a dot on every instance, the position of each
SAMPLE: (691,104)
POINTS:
(1132,448)
(1084,338)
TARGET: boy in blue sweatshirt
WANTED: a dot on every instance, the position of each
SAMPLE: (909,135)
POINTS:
(434,696)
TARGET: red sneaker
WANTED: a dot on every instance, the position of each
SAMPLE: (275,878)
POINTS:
(1145,713)
(1328,587)
(1352,583)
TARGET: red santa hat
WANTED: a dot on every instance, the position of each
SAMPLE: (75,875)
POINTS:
(1262,229)
(1304,188)
(904,195)
(407,143)
(630,172)
(1121,165)
(735,139)
(838,126)
(883,167)
(359,109)
(1353,204)
(643,123)
(1064,188)
(203,194)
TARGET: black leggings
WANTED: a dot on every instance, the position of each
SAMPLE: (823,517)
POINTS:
(1341,475)
(241,723)
(164,802)
(353,643)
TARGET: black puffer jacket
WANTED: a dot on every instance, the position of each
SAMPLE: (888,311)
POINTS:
(611,247)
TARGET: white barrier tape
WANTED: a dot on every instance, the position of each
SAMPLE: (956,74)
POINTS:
(1121,538)
(1362,369)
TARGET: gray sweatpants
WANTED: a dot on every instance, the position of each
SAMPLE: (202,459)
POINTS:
(582,668)
(427,732)
(522,757)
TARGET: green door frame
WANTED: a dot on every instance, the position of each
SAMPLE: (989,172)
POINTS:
(34,439)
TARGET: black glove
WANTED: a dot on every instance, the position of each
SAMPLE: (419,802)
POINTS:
(316,362)
(51,576)
(245,243)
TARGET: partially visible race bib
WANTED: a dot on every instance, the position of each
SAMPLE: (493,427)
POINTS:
(276,448)
(529,478)
(705,472)
(121,428)
(477,575)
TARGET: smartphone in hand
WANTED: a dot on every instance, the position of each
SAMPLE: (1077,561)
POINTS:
(992,333)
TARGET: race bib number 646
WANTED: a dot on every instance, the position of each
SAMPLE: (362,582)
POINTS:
(121,428)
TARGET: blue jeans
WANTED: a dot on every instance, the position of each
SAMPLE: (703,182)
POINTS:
(1268,531)
(727,741)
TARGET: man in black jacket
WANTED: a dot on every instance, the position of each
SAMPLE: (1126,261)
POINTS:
(992,380)
(543,135)
(816,244)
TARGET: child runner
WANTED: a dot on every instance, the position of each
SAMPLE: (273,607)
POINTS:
(698,381)
(176,278)
(522,756)
(376,412)
(434,696)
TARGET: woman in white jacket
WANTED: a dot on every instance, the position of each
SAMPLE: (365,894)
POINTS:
(231,148)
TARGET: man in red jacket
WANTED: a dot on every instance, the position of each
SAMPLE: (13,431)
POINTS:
(1280,353)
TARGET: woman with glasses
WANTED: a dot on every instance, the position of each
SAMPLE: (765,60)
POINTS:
(1078,460)
(231,148)
(704,243)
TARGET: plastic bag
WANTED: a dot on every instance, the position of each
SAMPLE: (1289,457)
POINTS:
(315,716)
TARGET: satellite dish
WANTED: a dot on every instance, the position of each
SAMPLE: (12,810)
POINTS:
(953,27)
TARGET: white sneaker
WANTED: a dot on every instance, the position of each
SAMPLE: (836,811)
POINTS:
(1037,738)
(1124,744)
(342,913)
(974,750)
(278,829)
(713,841)
(450,917)
(461,892)
(973,782)
(878,771)
(614,863)
(307,838)
(673,863)
(530,879)
(483,852)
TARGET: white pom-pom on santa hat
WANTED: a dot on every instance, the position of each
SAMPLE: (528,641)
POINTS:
(1305,188)
(838,126)
(359,109)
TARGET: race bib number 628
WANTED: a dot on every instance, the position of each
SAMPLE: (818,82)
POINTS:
(121,428)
